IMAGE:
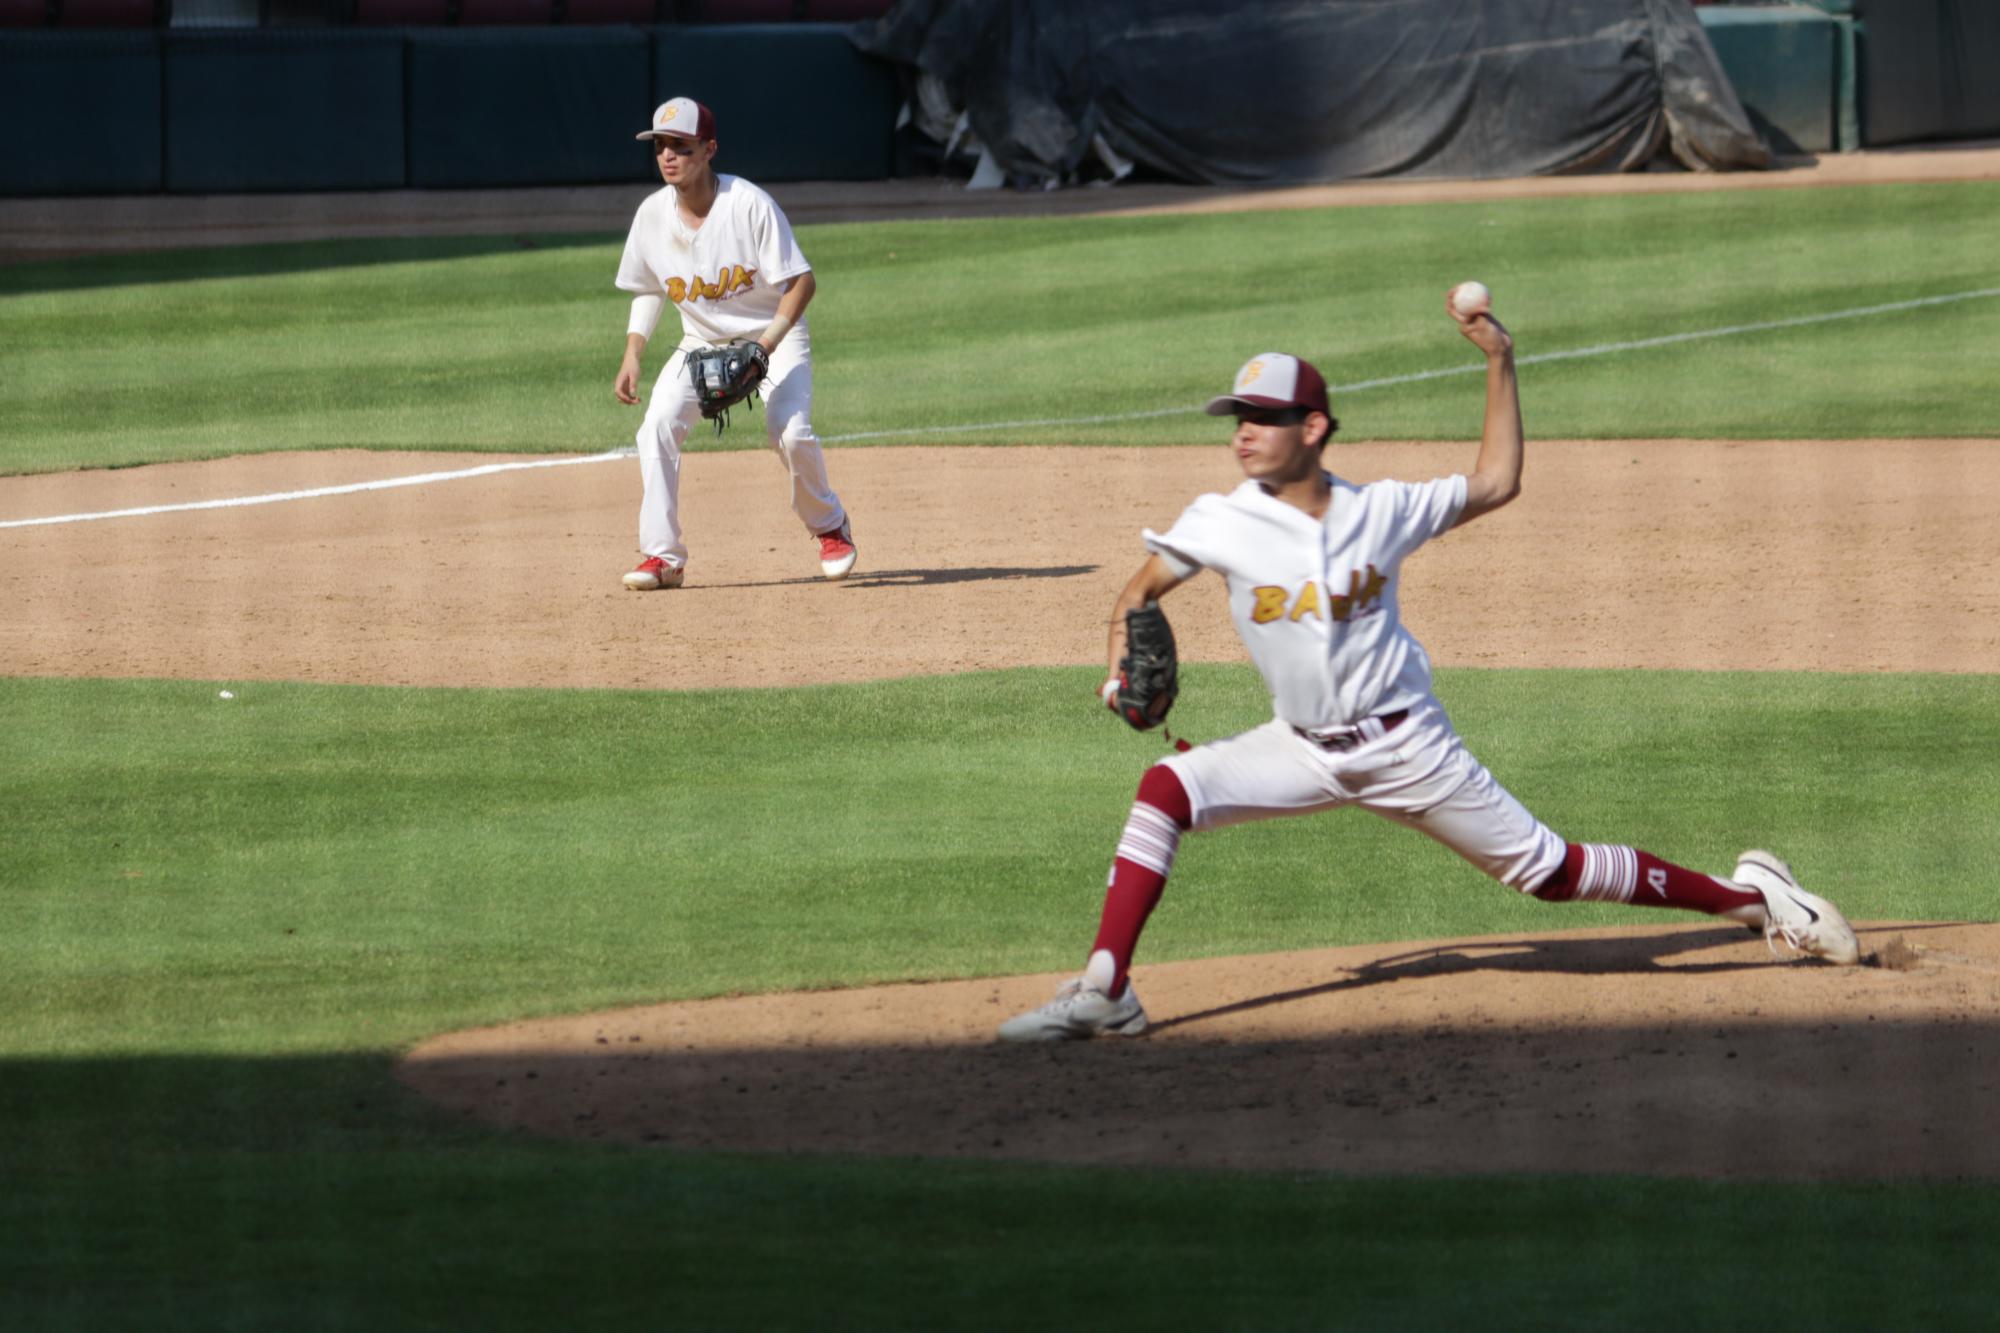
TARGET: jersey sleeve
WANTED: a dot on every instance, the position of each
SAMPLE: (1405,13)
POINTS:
(779,258)
(634,273)
(1427,509)
(1193,543)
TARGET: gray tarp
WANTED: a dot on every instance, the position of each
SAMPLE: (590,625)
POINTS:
(1267,91)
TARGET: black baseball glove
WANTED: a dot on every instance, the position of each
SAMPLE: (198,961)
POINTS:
(1149,672)
(724,376)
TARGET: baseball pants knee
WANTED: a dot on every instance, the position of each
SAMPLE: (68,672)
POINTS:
(788,424)
(671,415)
(1420,775)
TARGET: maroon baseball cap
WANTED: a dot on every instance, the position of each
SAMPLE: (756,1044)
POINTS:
(681,118)
(1273,379)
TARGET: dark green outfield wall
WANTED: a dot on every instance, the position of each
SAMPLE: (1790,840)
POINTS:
(365,109)
(1930,69)
(515,106)
(1785,63)
(282,111)
(355,109)
(1844,74)
(80,113)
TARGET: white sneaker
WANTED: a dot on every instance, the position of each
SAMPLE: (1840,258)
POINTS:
(1807,922)
(1079,1010)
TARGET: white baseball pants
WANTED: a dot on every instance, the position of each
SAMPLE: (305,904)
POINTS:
(787,414)
(1420,775)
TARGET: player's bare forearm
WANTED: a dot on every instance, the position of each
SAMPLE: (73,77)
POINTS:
(791,307)
(1153,581)
(1495,478)
(626,387)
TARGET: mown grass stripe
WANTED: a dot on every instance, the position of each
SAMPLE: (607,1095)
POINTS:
(1605,349)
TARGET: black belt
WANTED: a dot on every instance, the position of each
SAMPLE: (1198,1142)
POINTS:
(1347,738)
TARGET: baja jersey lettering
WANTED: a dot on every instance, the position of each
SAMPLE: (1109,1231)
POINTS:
(727,283)
(1274,602)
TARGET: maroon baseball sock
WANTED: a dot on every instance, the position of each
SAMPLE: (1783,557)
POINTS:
(1139,873)
(1600,872)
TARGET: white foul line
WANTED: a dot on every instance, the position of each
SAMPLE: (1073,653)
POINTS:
(422,479)
(1603,349)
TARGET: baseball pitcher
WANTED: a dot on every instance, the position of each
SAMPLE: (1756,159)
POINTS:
(1313,565)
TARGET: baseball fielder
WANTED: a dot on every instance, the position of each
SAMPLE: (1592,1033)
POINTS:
(1313,564)
(722,251)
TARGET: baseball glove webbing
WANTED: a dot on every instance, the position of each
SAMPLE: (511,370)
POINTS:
(724,376)
(1149,672)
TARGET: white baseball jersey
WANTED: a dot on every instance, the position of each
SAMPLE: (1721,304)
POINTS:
(1315,599)
(725,278)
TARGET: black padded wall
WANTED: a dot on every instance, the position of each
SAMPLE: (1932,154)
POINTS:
(80,113)
(817,108)
(284,111)
(501,107)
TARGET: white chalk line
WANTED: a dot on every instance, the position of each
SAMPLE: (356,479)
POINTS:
(1415,377)
(238,502)
(1477,368)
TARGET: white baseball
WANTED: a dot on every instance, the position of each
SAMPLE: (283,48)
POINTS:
(1471,298)
(225,694)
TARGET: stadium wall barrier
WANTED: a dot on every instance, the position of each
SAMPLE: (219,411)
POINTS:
(427,108)
(283,111)
(81,113)
(141,111)
(1783,60)
(1928,69)
(818,109)
(518,107)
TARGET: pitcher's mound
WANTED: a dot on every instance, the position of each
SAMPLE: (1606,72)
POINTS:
(1670,1051)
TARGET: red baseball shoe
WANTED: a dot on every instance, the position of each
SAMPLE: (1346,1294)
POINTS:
(836,552)
(654,573)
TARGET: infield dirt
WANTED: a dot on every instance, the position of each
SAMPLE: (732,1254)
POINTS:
(1854,555)
(1681,1048)
(1677,1048)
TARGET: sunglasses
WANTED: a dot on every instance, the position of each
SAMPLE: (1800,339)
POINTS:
(1272,416)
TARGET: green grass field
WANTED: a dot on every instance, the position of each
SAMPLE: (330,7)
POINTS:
(434,859)
(933,327)
(224,918)
(221,922)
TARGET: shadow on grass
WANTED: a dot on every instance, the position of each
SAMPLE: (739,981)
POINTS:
(314,1192)
(254,261)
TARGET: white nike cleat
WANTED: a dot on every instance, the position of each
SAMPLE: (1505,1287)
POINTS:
(1079,1010)
(1807,922)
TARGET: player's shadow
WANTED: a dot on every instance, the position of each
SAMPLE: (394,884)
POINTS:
(1577,957)
(921,578)
(268,259)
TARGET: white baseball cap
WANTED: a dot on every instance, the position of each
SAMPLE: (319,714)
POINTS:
(681,118)
(1273,379)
